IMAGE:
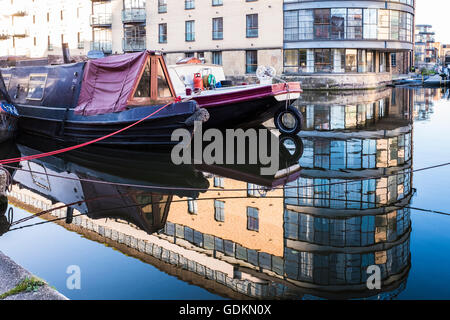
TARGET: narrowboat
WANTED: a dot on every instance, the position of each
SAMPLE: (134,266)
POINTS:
(84,101)
(238,105)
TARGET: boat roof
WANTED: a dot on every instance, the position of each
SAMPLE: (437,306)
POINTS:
(95,87)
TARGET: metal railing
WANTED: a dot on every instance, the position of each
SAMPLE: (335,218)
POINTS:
(101,20)
(104,45)
(134,44)
(134,15)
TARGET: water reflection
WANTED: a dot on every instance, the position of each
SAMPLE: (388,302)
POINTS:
(309,231)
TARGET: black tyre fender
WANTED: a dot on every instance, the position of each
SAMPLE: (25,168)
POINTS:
(299,148)
(279,122)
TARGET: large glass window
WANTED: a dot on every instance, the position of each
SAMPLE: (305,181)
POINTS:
(339,60)
(350,60)
(370,23)
(354,24)
(338,23)
(291,25)
(370,61)
(394,25)
(322,60)
(383,24)
(362,62)
(321,23)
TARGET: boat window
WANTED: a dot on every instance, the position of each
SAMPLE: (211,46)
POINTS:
(143,88)
(36,86)
(163,85)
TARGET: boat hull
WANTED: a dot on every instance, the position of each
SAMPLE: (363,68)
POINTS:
(244,114)
(55,123)
(8,126)
(247,107)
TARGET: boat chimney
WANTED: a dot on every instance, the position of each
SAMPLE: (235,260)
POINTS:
(66,52)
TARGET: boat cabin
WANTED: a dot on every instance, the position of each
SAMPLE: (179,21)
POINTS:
(106,85)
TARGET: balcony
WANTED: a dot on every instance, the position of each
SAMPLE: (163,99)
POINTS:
(20,32)
(134,44)
(105,46)
(135,15)
(80,45)
(103,20)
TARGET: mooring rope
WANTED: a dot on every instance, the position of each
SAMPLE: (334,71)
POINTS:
(55,152)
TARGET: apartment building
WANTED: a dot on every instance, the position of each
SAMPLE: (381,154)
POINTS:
(326,41)
(426,55)
(37,28)
(239,34)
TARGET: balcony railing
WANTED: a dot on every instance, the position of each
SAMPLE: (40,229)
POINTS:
(135,15)
(105,46)
(134,44)
(20,32)
(80,45)
(101,20)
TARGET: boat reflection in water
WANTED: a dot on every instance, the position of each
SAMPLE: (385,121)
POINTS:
(307,232)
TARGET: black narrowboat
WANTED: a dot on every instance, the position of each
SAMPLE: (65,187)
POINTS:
(84,101)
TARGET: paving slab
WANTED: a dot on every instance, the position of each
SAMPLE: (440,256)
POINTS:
(11,274)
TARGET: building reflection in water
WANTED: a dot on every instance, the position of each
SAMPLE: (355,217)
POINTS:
(424,100)
(345,210)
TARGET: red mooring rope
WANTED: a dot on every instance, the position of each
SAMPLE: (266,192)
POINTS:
(51,153)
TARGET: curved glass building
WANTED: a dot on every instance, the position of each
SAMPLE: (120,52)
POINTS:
(326,41)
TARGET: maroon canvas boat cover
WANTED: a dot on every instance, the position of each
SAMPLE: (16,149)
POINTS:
(108,83)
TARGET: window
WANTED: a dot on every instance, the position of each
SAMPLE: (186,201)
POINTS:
(143,88)
(295,60)
(190,30)
(383,24)
(370,23)
(252,26)
(217,2)
(162,6)
(321,23)
(219,210)
(218,182)
(252,219)
(351,60)
(251,61)
(393,59)
(217,57)
(394,25)
(370,61)
(163,85)
(322,60)
(338,22)
(36,86)
(217,28)
(354,24)
(189,4)
(362,62)
(162,36)
(339,60)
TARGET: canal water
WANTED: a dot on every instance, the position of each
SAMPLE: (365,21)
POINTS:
(353,195)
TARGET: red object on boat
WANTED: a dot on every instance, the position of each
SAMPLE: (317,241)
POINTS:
(198,82)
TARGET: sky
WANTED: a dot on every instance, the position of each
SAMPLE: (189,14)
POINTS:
(436,13)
